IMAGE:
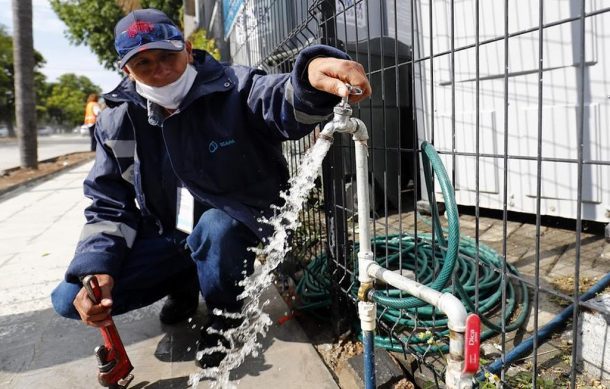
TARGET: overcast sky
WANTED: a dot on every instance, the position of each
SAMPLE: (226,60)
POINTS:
(61,56)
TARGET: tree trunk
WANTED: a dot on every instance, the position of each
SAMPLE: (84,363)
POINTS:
(25,106)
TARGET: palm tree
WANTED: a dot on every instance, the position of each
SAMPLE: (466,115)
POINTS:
(25,106)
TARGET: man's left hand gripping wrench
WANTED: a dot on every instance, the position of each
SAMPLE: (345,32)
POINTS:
(112,361)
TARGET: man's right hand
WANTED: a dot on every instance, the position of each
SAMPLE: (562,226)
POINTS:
(96,315)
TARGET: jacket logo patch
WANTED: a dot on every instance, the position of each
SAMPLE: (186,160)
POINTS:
(214,146)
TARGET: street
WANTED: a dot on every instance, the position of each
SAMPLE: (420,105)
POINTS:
(48,147)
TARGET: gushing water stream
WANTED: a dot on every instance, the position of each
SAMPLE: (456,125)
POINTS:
(244,340)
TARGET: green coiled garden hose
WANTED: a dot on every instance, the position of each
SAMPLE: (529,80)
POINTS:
(401,249)
(434,260)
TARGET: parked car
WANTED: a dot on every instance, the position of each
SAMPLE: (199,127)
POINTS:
(3,132)
(84,130)
(44,131)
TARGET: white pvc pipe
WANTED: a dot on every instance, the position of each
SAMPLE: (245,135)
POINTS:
(446,302)
(362,186)
(368,269)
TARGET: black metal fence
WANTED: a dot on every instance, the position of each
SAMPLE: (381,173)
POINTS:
(514,96)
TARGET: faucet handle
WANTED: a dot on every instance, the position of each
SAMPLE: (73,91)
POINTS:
(352,90)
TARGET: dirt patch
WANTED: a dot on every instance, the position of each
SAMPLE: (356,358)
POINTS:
(13,178)
(340,351)
(565,284)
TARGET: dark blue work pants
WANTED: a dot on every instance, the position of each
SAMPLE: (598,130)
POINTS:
(158,265)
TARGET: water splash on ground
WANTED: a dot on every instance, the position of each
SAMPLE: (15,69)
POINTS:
(245,340)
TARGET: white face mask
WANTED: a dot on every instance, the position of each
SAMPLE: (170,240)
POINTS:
(169,96)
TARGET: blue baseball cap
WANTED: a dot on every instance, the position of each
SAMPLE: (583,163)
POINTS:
(145,29)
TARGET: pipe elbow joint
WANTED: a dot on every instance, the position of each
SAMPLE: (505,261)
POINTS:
(455,311)
(360,133)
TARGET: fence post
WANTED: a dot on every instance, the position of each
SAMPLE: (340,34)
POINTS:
(338,249)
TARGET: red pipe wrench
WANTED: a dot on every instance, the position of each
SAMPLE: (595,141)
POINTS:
(112,361)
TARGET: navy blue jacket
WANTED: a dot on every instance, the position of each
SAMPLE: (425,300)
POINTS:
(223,143)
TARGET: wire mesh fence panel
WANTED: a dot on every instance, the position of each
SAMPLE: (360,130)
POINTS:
(514,97)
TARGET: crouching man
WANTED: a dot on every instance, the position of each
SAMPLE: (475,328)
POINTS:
(188,159)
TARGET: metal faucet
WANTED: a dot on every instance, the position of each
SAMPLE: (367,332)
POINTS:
(344,122)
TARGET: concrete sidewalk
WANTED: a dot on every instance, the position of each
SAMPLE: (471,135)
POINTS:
(39,228)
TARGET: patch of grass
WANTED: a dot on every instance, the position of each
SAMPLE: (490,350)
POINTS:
(523,380)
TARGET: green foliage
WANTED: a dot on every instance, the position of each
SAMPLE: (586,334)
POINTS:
(487,385)
(523,380)
(200,41)
(62,102)
(172,8)
(66,102)
(91,22)
(7,79)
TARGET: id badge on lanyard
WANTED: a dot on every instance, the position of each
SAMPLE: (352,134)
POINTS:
(185,210)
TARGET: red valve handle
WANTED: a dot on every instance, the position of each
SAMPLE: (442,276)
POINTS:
(472,342)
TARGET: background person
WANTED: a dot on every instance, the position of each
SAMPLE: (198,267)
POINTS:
(92,110)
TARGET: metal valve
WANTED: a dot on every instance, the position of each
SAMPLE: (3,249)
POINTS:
(352,91)
(343,111)
(342,120)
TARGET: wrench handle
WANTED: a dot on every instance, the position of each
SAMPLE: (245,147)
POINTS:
(93,289)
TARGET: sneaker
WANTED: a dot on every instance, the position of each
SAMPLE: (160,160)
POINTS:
(179,306)
(209,340)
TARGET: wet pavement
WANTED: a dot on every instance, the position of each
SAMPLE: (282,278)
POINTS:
(39,228)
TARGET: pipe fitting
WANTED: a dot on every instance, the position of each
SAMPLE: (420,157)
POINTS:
(361,133)
(364,291)
(446,302)
(365,256)
(342,113)
(341,122)
(367,312)
(455,311)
